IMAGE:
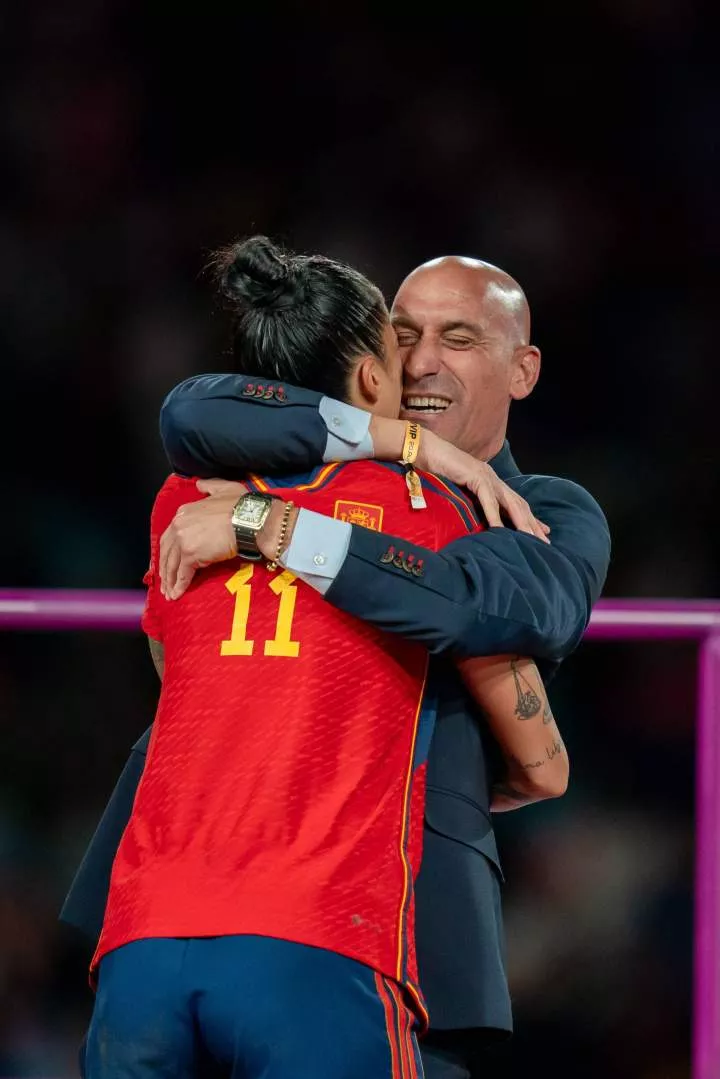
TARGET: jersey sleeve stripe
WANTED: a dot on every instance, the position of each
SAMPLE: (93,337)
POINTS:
(322,477)
(319,480)
(400,973)
(455,493)
(254,483)
(464,507)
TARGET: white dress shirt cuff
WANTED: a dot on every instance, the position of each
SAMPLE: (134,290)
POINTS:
(349,437)
(318,548)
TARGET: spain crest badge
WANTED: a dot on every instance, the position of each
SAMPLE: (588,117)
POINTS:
(359,513)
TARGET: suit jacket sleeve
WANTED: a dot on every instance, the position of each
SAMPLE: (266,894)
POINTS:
(84,906)
(232,424)
(494,592)
(497,592)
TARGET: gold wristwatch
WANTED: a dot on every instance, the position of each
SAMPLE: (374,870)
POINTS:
(250,513)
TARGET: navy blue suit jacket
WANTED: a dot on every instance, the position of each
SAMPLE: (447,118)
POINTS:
(498,592)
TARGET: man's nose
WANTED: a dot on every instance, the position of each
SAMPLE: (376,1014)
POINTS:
(423,359)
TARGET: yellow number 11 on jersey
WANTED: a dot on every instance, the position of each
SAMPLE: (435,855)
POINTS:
(240,587)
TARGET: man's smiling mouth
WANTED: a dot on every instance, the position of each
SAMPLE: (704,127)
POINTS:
(430,405)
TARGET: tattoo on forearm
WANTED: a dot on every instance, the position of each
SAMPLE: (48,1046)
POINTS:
(547,713)
(528,703)
(157,651)
(550,752)
(530,764)
(557,747)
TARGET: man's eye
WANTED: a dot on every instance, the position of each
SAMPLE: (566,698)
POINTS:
(459,342)
(405,339)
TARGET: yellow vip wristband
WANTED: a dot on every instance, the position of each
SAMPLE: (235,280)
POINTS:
(411,445)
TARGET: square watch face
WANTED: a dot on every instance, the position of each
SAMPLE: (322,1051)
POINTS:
(252,512)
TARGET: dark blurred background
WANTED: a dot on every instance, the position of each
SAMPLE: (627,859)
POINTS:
(580,152)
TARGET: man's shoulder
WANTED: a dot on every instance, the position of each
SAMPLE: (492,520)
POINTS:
(578,525)
(558,489)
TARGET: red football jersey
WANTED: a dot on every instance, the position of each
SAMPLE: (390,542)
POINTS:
(284,786)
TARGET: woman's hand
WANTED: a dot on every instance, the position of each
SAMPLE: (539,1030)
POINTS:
(494,496)
(199,534)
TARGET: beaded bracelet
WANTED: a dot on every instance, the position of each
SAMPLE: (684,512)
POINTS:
(289,506)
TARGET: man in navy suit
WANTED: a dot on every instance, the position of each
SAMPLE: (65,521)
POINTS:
(464,329)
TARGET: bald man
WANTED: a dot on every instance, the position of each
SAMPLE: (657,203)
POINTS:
(464,330)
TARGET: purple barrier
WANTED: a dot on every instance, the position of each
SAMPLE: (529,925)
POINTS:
(68,608)
(706,1002)
(624,619)
(653,619)
(612,620)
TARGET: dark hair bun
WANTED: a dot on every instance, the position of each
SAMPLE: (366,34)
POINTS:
(257,273)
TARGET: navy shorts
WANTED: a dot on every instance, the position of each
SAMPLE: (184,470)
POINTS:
(246,1007)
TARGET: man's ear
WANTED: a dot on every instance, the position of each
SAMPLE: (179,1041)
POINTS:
(526,371)
(368,381)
